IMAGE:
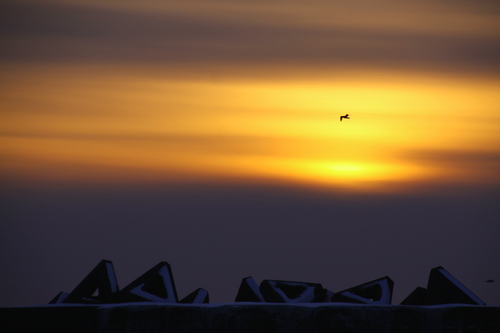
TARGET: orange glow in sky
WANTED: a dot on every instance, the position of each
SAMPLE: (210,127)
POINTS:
(74,124)
(122,91)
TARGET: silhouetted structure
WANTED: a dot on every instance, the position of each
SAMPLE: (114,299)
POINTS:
(277,291)
(198,296)
(417,297)
(374,292)
(59,298)
(268,308)
(157,285)
(99,286)
(444,288)
(249,291)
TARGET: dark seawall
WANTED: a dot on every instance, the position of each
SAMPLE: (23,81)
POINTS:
(250,317)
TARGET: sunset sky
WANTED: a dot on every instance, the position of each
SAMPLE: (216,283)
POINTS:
(205,99)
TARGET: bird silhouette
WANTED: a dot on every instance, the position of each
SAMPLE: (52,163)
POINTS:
(490,281)
(346,117)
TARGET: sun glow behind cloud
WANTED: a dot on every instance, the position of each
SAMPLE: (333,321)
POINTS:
(79,124)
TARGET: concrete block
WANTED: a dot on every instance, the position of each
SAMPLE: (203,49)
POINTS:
(156,285)
(99,286)
(249,291)
(444,288)
(199,296)
(59,298)
(416,297)
(278,291)
(378,291)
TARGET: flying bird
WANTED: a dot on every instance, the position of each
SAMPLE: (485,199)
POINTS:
(346,117)
(490,281)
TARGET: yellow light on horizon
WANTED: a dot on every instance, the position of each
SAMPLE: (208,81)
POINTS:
(347,168)
(287,130)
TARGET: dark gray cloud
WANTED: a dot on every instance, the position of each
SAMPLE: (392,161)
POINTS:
(470,164)
(247,145)
(43,32)
(456,157)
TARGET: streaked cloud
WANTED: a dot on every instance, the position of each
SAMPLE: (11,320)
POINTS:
(407,36)
(169,128)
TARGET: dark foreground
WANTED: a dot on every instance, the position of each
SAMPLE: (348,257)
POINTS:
(250,317)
